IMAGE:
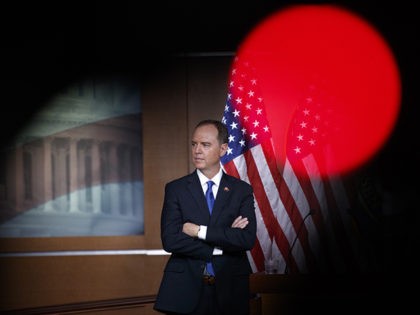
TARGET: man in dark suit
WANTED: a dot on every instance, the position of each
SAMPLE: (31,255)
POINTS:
(208,270)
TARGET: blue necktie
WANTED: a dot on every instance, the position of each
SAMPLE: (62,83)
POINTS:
(209,195)
(210,203)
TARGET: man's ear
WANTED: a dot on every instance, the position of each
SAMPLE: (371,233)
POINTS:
(223,149)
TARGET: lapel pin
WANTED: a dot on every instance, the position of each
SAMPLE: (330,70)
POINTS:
(226,189)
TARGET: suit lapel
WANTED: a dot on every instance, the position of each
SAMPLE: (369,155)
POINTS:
(223,194)
(196,191)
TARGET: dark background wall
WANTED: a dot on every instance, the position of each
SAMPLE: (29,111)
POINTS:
(47,44)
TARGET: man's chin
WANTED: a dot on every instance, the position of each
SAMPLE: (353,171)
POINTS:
(199,165)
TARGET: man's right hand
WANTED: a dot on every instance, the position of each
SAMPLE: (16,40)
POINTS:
(240,222)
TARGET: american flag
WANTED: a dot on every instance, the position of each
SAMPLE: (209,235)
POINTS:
(303,222)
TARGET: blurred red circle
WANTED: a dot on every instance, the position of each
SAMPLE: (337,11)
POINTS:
(330,83)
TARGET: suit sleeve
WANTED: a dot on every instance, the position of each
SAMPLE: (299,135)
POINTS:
(173,239)
(236,239)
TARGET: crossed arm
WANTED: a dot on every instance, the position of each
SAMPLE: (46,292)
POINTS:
(192,229)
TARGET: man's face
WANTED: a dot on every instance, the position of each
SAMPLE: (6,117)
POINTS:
(206,150)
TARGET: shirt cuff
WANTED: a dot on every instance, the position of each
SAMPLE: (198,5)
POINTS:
(202,232)
(217,251)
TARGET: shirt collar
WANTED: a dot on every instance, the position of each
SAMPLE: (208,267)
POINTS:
(216,178)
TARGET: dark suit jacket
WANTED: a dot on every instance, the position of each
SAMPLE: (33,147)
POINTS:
(182,279)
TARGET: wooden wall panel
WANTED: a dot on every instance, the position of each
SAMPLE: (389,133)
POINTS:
(207,89)
(174,99)
(55,280)
(164,139)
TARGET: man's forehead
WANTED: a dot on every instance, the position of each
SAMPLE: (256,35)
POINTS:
(204,138)
(204,133)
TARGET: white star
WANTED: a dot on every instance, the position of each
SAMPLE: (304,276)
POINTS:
(266,129)
(259,111)
(256,123)
(231,138)
(253,135)
(297,150)
(234,125)
(229,151)
(251,93)
(303,124)
(238,100)
(242,143)
(236,113)
(300,137)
